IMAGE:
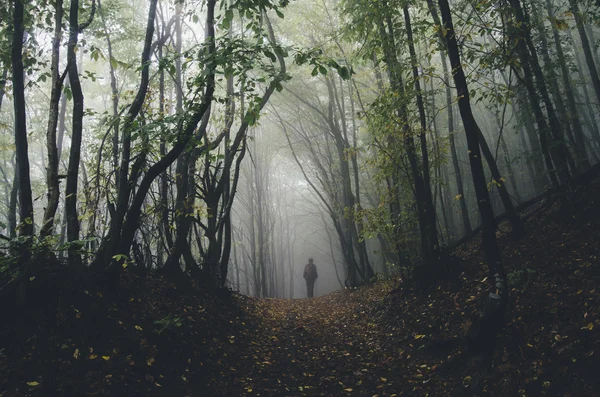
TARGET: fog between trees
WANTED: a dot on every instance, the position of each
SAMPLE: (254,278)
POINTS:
(230,141)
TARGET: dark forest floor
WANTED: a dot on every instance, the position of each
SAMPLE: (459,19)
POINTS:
(159,338)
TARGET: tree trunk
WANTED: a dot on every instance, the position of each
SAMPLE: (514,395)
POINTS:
(430,214)
(585,44)
(543,129)
(3,84)
(389,48)
(52,171)
(492,319)
(22,156)
(526,51)
(591,113)
(572,115)
(509,168)
(117,228)
(357,199)
(76,136)
(183,188)
(113,89)
(62,123)
(449,105)
(12,208)
(511,212)
(537,155)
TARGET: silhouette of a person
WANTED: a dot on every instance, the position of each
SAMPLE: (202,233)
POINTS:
(310,275)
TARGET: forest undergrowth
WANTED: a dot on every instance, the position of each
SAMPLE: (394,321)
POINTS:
(157,337)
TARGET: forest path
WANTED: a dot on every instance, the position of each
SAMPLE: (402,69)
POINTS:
(326,346)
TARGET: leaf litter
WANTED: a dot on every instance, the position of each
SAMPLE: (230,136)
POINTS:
(159,337)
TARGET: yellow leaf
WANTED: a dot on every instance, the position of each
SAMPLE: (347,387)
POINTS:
(33,384)
(383,379)
(76,354)
(589,327)
(138,327)
(348,389)
(106,358)
(458,197)
(419,336)
(93,357)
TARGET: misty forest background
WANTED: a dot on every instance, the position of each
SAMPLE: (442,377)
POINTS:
(232,140)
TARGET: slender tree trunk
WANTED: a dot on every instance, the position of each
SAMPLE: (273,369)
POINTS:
(553,82)
(165,226)
(537,155)
(3,84)
(509,168)
(12,209)
(429,207)
(449,106)
(572,115)
(76,135)
(592,123)
(183,211)
(511,212)
(389,48)
(585,45)
(492,319)
(357,199)
(592,39)
(113,89)
(62,116)
(531,189)
(519,30)
(22,156)
(183,162)
(441,172)
(123,182)
(543,128)
(52,172)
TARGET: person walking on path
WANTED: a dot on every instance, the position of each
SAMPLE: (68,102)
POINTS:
(310,275)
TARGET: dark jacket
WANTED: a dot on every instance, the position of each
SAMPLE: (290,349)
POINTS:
(310,272)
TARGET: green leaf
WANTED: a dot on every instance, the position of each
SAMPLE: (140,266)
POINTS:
(270,55)
(280,51)
(114,63)
(344,73)
(277,86)
(322,70)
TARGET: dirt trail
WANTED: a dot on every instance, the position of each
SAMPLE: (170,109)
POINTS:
(327,346)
